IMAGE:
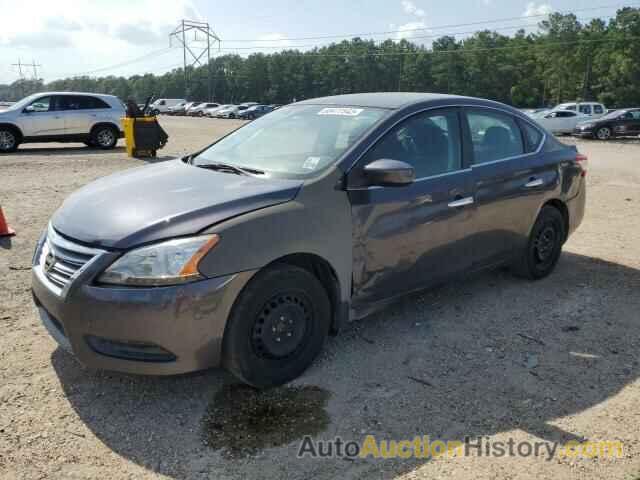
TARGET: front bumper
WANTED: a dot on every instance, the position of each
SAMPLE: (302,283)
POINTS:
(188,321)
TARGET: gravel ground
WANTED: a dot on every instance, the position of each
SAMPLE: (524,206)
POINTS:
(492,355)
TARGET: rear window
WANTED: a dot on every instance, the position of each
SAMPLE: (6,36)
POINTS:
(532,136)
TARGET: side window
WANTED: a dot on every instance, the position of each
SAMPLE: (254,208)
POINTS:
(571,107)
(532,136)
(586,109)
(494,135)
(598,109)
(636,114)
(566,114)
(68,102)
(429,142)
(41,104)
(162,102)
(92,103)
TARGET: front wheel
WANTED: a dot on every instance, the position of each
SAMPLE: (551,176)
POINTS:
(544,246)
(277,326)
(603,133)
(8,140)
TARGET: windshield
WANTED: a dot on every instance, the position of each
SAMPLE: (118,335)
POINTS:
(24,102)
(297,140)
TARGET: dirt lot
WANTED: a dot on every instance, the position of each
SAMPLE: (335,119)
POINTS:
(492,356)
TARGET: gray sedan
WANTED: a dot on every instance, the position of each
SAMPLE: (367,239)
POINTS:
(249,253)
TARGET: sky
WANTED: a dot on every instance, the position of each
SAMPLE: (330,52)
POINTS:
(126,37)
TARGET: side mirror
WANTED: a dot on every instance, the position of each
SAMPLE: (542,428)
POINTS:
(389,173)
(29,109)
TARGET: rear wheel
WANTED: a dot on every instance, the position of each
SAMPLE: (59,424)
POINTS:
(603,133)
(544,247)
(277,327)
(8,140)
(104,137)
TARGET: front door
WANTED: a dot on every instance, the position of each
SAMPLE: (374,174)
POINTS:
(40,118)
(412,236)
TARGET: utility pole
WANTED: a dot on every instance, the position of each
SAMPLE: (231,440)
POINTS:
(587,81)
(196,53)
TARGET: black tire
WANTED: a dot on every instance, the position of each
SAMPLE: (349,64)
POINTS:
(232,116)
(544,247)
(9,140)
(104,137)
(89,143)
(277,326)
(155,112)
(604,133)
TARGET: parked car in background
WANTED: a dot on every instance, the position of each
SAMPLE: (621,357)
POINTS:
(248,104)
(592,109)
(230,112)
(90,118)
(211,112)
(619,123)
(533,111)
(190,106)
(560,121)
(277,234)
(255,111)
(198,110)
(162,105)
(177,109)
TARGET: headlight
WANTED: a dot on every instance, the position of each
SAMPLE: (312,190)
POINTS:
(584,126)
(166,263)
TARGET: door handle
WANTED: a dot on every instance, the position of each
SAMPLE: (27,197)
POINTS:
(461,202)
(534,182)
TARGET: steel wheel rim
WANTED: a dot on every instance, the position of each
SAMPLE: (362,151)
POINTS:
(544,245)
(105,137)
(604,134)
(281,326)
(7,140)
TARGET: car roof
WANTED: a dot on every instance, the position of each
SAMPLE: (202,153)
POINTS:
(389,100)
(99,95)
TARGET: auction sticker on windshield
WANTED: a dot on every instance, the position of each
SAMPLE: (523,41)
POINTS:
(345,112)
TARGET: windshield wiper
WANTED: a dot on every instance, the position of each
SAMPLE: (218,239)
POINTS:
(226,167)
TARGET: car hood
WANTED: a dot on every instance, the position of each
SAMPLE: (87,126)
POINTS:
(162,201)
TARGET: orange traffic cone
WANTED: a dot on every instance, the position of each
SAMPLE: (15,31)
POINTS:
(5,230)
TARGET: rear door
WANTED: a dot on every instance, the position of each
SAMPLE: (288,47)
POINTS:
(508,183)
(411,236)
(75,114)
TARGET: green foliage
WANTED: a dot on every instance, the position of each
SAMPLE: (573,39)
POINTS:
(564,61)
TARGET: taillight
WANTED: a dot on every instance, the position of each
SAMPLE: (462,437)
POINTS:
(583,161)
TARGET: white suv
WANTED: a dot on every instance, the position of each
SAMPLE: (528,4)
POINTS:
(90,118)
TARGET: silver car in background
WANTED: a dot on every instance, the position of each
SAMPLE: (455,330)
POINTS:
(90,118)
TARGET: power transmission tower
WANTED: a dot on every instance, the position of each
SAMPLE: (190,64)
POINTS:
(21,74)
(33,65)
(195,57)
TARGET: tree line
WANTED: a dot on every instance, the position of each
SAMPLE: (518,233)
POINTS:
(565,60)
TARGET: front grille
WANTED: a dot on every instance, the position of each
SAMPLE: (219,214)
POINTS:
(61,259)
